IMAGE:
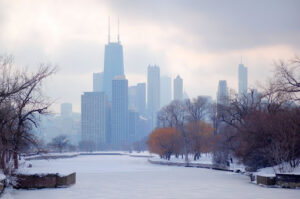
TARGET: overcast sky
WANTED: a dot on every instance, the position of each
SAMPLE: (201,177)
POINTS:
(202,41)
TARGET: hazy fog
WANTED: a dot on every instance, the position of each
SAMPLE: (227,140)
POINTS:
(203,41)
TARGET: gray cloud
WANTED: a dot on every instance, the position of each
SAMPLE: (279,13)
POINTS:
(222,25)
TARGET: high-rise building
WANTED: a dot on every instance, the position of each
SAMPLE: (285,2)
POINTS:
(133,117)
(153,92)
(132,97)
(113,64)
(119,113)
(137,98)
(141,98)
(98,82)
(222,95)
(66,110)
(178,88)
(165,90)
(93,115)
(243,80)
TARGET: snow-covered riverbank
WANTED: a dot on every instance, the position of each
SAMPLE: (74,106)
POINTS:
(130,177)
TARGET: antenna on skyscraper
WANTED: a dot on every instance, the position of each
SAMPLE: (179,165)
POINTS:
(241,60)
(108,29)
(118,32)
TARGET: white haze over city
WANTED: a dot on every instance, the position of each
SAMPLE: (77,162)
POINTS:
(202,41)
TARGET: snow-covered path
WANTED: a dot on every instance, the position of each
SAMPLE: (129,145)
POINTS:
(105,177)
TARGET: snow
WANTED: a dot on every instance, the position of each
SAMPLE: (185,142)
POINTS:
(272,171)
(70,154)
(204,159)
(128,177)
(2,176)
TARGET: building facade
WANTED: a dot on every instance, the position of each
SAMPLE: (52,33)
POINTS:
(141,98)
(93,115)
(178,88)
(119,112)
(243,80)
(113,66)
(98,82)
(66,110)
(153,93)
(222,94)
(165,90)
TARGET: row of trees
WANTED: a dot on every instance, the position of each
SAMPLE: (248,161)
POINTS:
(260,129)
(169,141)
(21,103)
(264,130)
(182,129)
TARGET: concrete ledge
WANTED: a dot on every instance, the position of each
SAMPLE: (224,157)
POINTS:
(142,156)
(183,164)
(46,157)
(62,181)
(288,180)
(265,180)
(27,181)
(102,153)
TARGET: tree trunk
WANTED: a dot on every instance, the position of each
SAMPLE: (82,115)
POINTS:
(16,160)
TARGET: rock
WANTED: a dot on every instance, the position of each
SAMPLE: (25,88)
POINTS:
(62,181)
(288,180)
(265,180)
(36,181)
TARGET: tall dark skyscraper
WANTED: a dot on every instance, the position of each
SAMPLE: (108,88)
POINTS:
(113,64)
(119,113)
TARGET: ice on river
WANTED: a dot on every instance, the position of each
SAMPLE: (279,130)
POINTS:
(125,177)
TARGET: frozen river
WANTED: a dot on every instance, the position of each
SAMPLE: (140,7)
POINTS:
(105,177)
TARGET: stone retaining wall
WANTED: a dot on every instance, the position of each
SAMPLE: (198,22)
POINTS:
(46,157)
(282,180)
(288,180)
(265,180)
(193,164)
(35,181)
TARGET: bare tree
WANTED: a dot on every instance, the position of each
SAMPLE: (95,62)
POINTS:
(174,115)
(197,109)
(287,77)
(21,102)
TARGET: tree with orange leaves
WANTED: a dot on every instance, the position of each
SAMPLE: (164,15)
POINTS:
(165,142)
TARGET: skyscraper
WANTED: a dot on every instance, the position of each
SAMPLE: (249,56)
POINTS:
(165,90)
(141,98)
(132,97)
(119,114)
(153,91)
(66,110)
(133,117)
(98,82)
(243,80)
(93,110)
(222,95)
(178,88)
(113,64)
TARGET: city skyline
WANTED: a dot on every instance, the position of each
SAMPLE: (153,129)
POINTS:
(73,35)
